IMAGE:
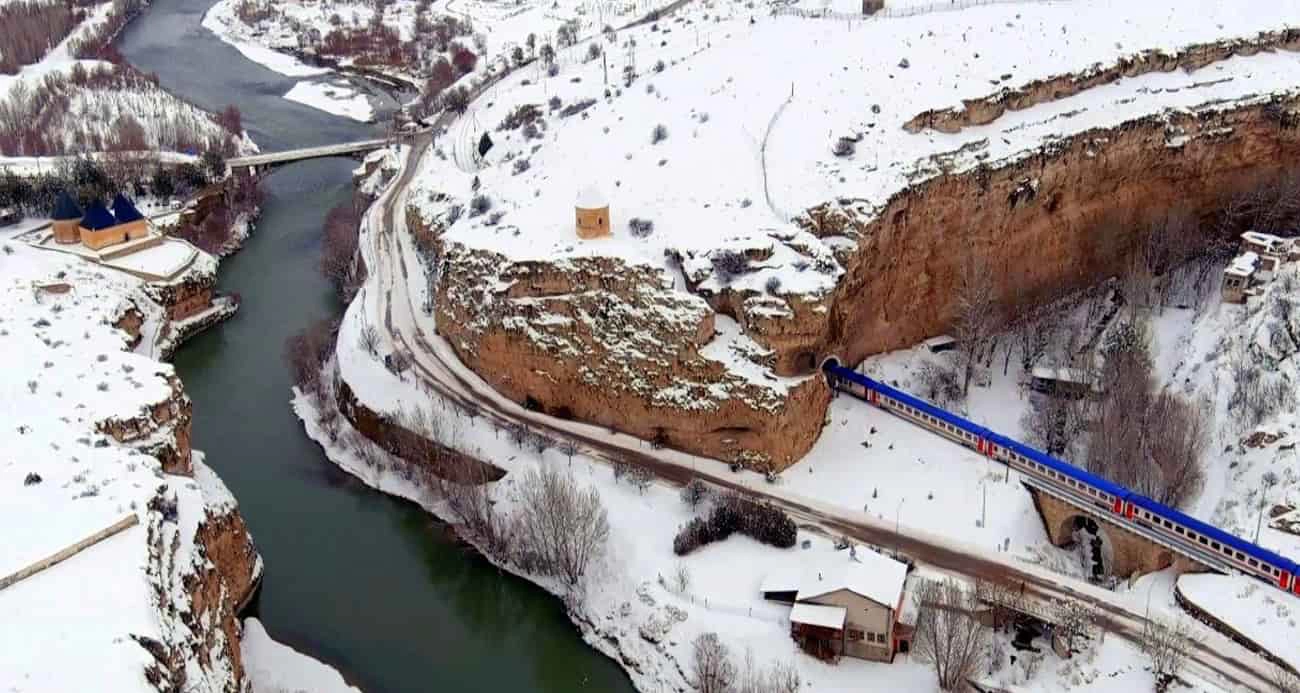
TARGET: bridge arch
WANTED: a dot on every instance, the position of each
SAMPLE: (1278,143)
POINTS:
(1092,542)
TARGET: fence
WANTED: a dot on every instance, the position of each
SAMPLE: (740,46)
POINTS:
(904,11)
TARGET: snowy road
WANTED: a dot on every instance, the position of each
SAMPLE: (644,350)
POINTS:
(393,291)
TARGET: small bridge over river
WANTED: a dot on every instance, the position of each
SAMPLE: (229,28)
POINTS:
(250,165)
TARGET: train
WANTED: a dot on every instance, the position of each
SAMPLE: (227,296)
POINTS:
(1159,523)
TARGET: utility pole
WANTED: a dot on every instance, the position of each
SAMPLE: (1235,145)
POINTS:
(898,540)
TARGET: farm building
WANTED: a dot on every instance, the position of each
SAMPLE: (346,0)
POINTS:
(847,608)
(592,211)
(1260,254)
(98,227)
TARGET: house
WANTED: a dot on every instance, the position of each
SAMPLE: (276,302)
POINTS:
(940,344)
(1065,382)
(845,606)
(9,216)
(1260,255)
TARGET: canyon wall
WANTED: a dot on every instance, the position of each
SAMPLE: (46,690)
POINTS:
(1055,220)
(614,344)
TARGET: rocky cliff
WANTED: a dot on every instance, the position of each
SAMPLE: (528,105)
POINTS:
(605,341)
(1047,222)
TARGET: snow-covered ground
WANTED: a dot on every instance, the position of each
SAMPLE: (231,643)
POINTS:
(1256,611)
(277,668)
(333,96)
(67,371)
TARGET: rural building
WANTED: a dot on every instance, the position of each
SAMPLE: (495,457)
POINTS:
(67,217)
(592,210)
(847,607)
(1064,382)
(1260,254)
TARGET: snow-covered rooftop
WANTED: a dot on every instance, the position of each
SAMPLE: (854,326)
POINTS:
(592,198)
(818,615)
(872,575)
(1244,264)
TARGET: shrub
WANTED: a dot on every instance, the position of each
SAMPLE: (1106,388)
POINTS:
(531,132)
(760,521)
(523,114)
(729,263)
(494,218)
(554,103)
(520,166)
(640,228)
(844,146)
(576,107)
(659,66)
(773,284)
(659,134)
(479,205)
(593,50)
(453,213)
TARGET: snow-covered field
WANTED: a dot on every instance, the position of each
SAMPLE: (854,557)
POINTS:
(67,371)
(1256,611)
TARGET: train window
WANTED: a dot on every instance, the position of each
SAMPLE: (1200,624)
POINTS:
(1215,545)
(1203,540)
(1241,556)
(1253,563)
(1179,530)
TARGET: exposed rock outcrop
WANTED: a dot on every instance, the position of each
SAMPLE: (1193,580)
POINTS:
(601,340)
(1049,222)
(987,109)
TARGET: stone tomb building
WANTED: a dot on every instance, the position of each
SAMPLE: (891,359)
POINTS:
(97,227)
(592,211)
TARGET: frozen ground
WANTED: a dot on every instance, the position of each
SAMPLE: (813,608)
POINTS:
(277,668)
(336,97)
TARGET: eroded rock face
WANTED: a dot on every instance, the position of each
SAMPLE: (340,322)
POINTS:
(161,430)
(989,108)
(221,588)
(1047,223)
(604,341)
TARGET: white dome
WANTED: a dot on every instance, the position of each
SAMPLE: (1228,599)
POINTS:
(592,198)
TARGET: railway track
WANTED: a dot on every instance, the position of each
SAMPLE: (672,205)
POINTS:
(1214,658)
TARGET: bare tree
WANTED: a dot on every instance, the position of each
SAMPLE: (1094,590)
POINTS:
(519,433)
(947,634)
(369,340)
(565,526)
(711,664)
(541,443)
(469,498)
(694,493)
(640,477)
(972,322)
(1166,644)
(1075,620)
(568,447)
(1285,680)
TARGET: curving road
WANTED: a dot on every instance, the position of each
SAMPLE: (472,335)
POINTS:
(393,292)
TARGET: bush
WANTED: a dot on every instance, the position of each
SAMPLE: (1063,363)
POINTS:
(479,205)
(659,134)
(520,166)
(640,228)
(554,103)
(773,284)
(729,263)
(760,521)
(523,114)
(593,50)
(576,107)
(456,99)
(844,146)
(659,66)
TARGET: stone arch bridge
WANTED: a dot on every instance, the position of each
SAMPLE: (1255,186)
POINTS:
(1126,552)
